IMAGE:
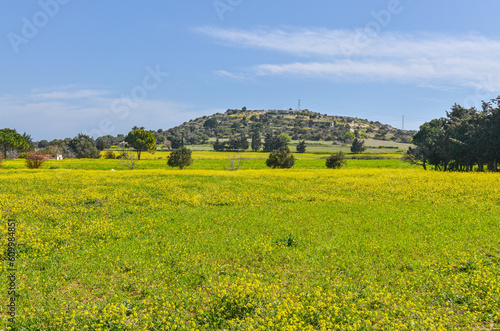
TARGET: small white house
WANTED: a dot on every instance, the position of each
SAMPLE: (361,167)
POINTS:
(59,157)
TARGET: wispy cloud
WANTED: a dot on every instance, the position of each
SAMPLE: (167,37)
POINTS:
(237,76)
(421,58)
(65,95)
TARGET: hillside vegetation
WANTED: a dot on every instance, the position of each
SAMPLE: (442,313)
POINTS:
(299,125)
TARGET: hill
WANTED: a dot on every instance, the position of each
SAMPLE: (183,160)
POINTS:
(298,124)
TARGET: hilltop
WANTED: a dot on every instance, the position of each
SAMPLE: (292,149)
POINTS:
(298,124)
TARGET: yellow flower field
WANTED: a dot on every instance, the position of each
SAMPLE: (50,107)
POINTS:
(297,249)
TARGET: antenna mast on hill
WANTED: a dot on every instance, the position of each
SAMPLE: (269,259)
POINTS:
(403,122)
(299,105)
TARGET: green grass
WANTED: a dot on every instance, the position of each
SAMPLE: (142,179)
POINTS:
(305,248)
(219,161)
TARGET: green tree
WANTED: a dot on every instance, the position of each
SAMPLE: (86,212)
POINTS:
(335,161)
(105,142)
(180,157)
(30,141)
(301,147)
(429,142)
(284,139)
(142,141)
(219,146)
(236,143)
(243,142)
(256,141)
(211,123)
(358,146)
(11,140)
(233,144)
(349,136)
(280,158)
(272,143)
(176,141)
(83,146)
(43,143)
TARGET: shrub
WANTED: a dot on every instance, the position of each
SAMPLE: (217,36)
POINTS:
(234,163)
(123,155)
(1,160)
(128,162)
(109,155)
(280,158)
(336,161)
(180,157)
(34,160)
(301,147)
(358,146)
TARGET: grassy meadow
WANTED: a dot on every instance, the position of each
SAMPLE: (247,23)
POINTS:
(378,245)
(209,160)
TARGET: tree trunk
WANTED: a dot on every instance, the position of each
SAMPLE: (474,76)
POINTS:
(495,169)
(480,166)
(425,168)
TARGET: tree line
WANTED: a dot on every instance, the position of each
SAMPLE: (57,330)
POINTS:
(466,139)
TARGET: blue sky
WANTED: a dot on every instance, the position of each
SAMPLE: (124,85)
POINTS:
(101,67)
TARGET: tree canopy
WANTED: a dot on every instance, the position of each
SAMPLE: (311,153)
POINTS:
(11,140)
(301,147)
(233,144)
(83,146)
(281,158)
(141,140)
(256,141)
(335,161)
(466,138)
(180,157)
(358,146)
(272,142)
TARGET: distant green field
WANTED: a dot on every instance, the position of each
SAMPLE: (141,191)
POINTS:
(209,160)
(373,146)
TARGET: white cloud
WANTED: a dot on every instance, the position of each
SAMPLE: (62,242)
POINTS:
(238,76)
(425,59)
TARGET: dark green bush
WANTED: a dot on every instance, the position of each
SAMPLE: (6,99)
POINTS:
(281,158)
(336,161)
(180,157)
